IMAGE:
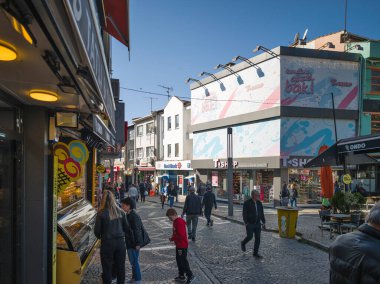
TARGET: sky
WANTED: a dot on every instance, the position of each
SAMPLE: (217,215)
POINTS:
(172,40)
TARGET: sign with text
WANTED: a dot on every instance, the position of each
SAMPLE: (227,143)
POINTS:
(223,165)
(174,165)
(294,162)
(102,131)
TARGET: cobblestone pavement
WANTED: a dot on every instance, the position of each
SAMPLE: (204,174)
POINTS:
(216,257)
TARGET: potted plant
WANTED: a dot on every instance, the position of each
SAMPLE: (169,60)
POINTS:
(346,202)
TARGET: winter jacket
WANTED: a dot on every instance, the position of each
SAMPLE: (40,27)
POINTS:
(249,212)
(293,193)
(355,257)
(135,236)
(107,229)
(193,205)
(209,200)
(133,192)
(179,234)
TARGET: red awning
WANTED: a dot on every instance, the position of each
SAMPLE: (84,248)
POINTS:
(117,19)
(146,169)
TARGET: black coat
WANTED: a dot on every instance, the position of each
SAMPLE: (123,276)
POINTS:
(209,200)
(249,212)
(355,257)
(107,229)
(135,236)
(193,205)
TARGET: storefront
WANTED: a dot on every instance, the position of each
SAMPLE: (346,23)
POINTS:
(177,172)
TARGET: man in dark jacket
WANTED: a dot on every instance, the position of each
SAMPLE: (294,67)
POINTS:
(355,257)
(192,209)
(142,189)
(253,216)
(208,201)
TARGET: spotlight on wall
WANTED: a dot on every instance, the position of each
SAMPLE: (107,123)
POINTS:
(44,96)
(328,45)
(227,67)
(260,72)
(199,83)
(260,47)
(222,87)
(7,53)
(355,46)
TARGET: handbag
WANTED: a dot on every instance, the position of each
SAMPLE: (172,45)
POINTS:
(145,236)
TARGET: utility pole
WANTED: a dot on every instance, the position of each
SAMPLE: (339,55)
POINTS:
(229,172)
(151,102)
(168,90)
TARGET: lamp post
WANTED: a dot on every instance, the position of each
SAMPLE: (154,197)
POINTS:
(207,93)
(229,172)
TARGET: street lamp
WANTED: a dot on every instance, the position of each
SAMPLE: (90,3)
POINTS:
(228,66)
(327,44)
(222,87)
(229,172)
(260,47)
(355,46)
(260,72)
(199,83)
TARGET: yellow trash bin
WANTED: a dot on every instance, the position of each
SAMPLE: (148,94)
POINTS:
(287,221)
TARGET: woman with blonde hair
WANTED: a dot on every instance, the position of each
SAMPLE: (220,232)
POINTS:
(111,226)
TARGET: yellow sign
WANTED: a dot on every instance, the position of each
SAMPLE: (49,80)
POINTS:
(100,169)
(347,179)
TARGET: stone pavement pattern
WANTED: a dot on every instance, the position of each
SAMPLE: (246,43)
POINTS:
(216,257)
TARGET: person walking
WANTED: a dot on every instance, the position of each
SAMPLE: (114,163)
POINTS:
(163,194)
(293,195)
(136,238)
(111,227)
(176,190)
(208,201)
(355,257)
(171,195)
(285,195)
(192,209)
(181,245)
(254,220)
(201,190)
(133,193)
(142,189)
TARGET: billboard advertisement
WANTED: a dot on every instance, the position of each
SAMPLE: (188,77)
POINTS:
(309,82)
(260,139)
(252,89)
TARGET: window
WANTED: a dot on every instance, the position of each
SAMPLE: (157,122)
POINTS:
(140,130)
(150,151)
(177,121)
(131,155)
(169,123)
(139,153)
(150,128)
(131,134)
(375,81)
(169,150)
(176,149)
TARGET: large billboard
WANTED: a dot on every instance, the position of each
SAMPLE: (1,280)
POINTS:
(256,88)
(309,82)
(304,136)
(260,139)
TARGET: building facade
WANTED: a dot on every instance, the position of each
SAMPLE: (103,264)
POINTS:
(279,106)
(130,155)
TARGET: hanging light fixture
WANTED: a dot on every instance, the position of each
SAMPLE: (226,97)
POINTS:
(44,96)
(7,53)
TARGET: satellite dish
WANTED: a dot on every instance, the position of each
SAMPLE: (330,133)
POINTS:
(296,38)
(304,35)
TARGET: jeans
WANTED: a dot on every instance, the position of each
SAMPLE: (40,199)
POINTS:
(133,256)
(253,229)
(163,199)
(182,263)
(192,223)
(113,252)
(293,202)
(171,201)
(208,214)
(142,197)
(284,201)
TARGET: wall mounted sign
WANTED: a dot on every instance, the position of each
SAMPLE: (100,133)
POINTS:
(84,22)
(223,165)
(101,130)
(301,81)
(346,179)
(294,162)
(100,169)
(174,165)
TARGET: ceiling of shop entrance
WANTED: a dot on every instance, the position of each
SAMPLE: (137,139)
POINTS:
(30,71)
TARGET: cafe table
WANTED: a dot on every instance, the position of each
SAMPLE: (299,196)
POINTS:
(340,218)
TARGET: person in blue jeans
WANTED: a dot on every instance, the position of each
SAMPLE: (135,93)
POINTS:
(171,194)
(293,195)
(134,240)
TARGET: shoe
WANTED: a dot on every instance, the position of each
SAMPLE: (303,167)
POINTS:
(212,223)
(190,279)
(243,248)
(193,239)
(180,278)
(208,224)
(257,255)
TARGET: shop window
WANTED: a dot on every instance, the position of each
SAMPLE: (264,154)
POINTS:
(150,151)
(150,128)
(375,81)
(169,150)
(139,153)
(131,135)
(177,121)
(375,122)
(176,149)
(140,130)
(131,155)
(169,123)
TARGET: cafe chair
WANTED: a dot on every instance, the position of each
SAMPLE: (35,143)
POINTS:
(353,225)
(326,224)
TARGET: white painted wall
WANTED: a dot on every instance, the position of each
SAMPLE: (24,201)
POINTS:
(145,140)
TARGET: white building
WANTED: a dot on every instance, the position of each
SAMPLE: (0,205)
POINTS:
(177,145)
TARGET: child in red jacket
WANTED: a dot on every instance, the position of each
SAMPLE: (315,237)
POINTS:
(179,237)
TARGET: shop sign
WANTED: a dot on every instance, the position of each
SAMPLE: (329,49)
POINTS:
(102,131)
(346,179)
(294,162)
(223,165)
(175,165)
(301,81)
(84,20)
(100,169)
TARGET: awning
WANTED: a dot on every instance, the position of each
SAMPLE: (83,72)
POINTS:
(146,169)
(361,144)
(117,20)
(189,177)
